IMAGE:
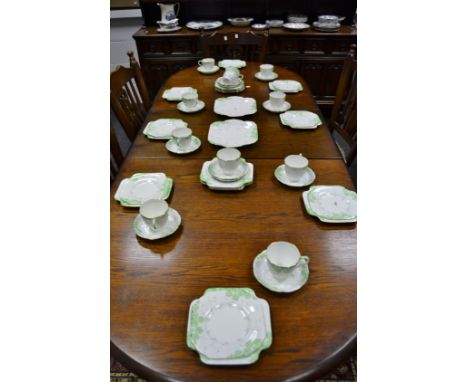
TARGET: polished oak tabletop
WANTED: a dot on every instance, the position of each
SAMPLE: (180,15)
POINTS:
(154,282)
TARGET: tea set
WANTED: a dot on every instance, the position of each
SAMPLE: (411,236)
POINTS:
(190,103)
(295,171)
(230,82)
(266,73)
(328,23)
(156,220)
(182,141)
(277,102)
(207,66)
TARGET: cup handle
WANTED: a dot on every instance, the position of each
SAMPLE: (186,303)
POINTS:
(241,76)
(306,259)
(199,62)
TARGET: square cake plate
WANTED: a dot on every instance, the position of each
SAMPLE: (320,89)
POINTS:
(229,326)
(140,187)
(176,93)
(235,106)
(331,204)
(235,63)
(286,86)
(207,179)
(162,128)
(300,119)
(233,133)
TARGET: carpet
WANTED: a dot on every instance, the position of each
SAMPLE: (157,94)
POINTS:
(346,372)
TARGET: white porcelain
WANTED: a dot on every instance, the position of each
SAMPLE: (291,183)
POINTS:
(235,63)
(296,26)
(140,187)
(202,70)
(326,27)
(173,147)
(228,159)
(240,21)
(162,128)
(207,63)
(261,77)
(235,106)
(295,166)
(176,93)
(259,27)
(169,30)
(217,172)
(300,119)
(182,136)
(154,213)
(277,98)
(328,19)
(230,78)
(214,184)
(268,106)
(204,24)
(168,11)
(305,180)
(282,254)
(286,86)
(144,231)
(266,70)
(225,89)
(297,18)
(190,100)
(274,23)
(286,283)
(331,204)
(233,133)
(181,106)
(168,25)
(229,326)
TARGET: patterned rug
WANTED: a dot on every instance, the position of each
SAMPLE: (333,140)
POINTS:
(346,372)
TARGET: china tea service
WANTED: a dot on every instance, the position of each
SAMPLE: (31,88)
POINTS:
(266,73)
(295,172)
(156,220)
(183,142)
(228,165)
(207,66)
(277,102)
(190,103)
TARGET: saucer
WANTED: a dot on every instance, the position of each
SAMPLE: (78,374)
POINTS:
(285,106)
(214,69)
(260,77)
(173,147)
(146,232)
(294,280)
(218,173)
(161,30)
(306,179)
(181,107)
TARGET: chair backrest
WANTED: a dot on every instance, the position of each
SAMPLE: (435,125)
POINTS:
(129,96)
(344,114)
(246,45)
(116,154)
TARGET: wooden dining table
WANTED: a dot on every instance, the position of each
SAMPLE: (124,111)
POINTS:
(152,283)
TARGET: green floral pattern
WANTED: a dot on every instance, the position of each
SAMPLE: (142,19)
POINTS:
(234,293)
(195,326)
(165,190)
(312,197)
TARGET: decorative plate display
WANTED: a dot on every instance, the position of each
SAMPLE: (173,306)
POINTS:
(214,184)
(296,26)
(233,133)
(235,63)
(300,119)
(162,128)
(229,326)
(295,279)
(204,24)
(331,204)
(235,106)
(176,93)
(286,86)
(144,231)
(139,188)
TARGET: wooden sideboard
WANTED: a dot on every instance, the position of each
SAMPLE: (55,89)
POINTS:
(316,56)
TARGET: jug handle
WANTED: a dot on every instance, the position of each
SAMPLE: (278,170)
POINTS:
(178,8)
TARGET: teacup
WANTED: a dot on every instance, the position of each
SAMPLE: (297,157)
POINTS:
(190,99)
(207,63)
(168,24)
(182,136)
(229,159)
(155,213)
(231,76)
(283,257)
(266,70)
(295,166)
(277,98)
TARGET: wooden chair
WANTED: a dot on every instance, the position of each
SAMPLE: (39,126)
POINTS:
(343,119)
(129,96)
(116,154)
(248,46)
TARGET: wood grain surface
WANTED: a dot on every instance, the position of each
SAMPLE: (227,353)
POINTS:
(153,282)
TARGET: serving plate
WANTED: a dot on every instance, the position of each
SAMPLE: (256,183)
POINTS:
(300,119)
(331,204)
(214,184)
(233,133)
(235,106)
(235,63)
(176,93)
(296,26)
(229,326)
(286,86)
(162,128)
(140,187)
(204,24)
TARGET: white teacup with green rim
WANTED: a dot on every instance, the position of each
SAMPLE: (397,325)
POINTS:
(266,70)
(190,99)
(277,98)
(231,76)
(182,136)
(154,213)
(295,166)
(283,257)
(229,159)
(207,63)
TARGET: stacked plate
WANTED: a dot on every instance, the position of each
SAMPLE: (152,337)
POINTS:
(222,87)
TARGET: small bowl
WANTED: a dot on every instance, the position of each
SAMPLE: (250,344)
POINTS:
(275,23)
(240,21)
(259,27)
(330,19)
(297,18)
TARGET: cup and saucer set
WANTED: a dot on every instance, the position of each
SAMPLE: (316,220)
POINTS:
(228,171)
(183,141)
(156,220)
(266,73)
(231,81)
(207,66)
(295,171)
(281,268)
(190,103)
(277,102)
